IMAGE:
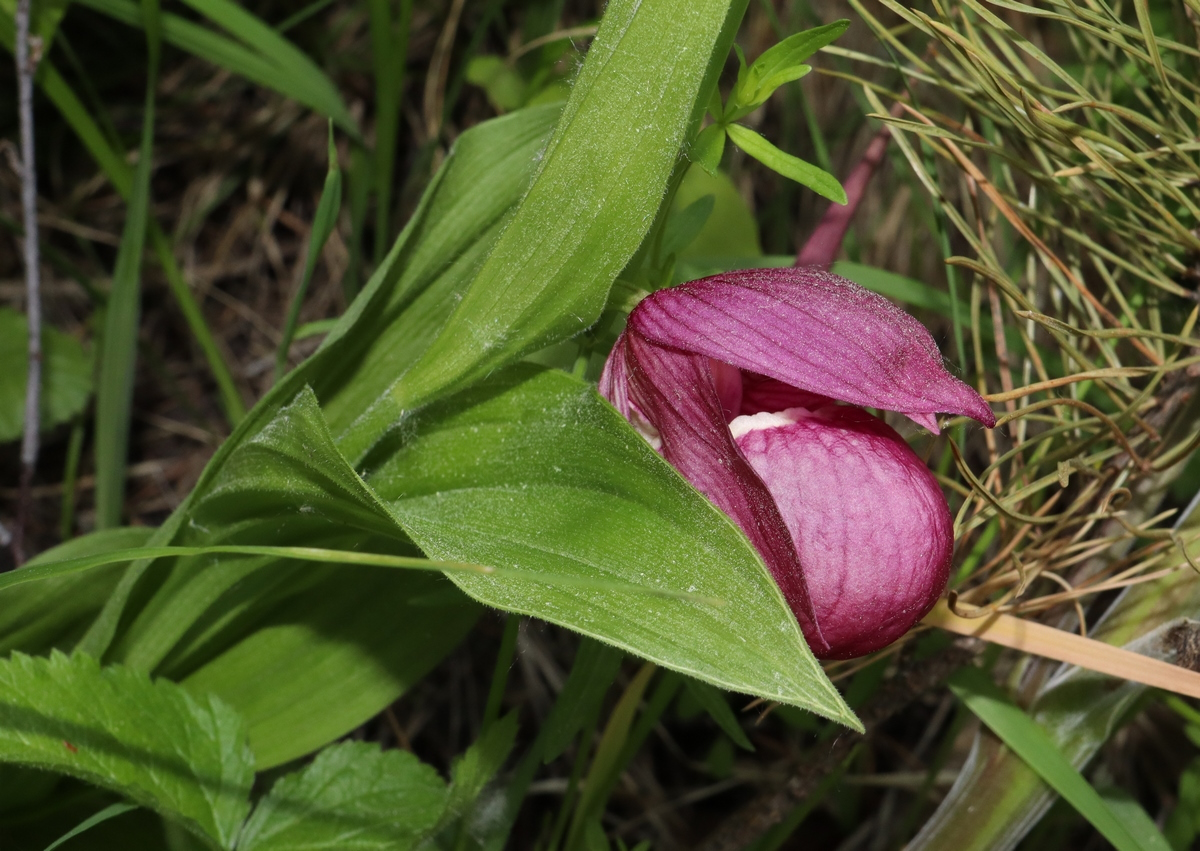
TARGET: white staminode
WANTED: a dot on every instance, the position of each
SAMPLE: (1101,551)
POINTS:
(766,420)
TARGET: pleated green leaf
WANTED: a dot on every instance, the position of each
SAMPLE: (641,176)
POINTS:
(54,611)
(598,187)
(325,660)
(537,472)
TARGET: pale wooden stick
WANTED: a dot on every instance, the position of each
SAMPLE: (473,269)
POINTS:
(1041,640)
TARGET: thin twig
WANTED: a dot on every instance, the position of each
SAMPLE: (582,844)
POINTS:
(439,67)
(1037,638)
(26,66)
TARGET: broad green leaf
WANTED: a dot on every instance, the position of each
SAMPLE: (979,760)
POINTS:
(598,188)
(536,471)
(285,485)
(194,611)
(186,758)
(326,660)
(352,797)
(708,148)
(306,652)
(793,168)
(36,616)
(66,375)
(410,298)
(779,64)
(1032,744)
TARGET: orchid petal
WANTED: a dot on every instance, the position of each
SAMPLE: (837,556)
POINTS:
(867,518)
(816,332)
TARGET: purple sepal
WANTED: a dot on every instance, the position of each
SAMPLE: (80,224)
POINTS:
(816,332)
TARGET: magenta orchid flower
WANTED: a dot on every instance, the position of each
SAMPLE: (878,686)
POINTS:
(749,384)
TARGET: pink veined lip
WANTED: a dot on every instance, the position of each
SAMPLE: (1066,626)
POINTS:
(752,385)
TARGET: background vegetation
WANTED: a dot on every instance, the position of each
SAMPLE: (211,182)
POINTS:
(1037,208)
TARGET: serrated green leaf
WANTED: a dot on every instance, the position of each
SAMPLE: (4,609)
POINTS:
(536,471)
(793,168)
(186,758)
(352,797)
(66,375)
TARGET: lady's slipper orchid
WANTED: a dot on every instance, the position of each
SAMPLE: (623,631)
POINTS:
(737,379)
